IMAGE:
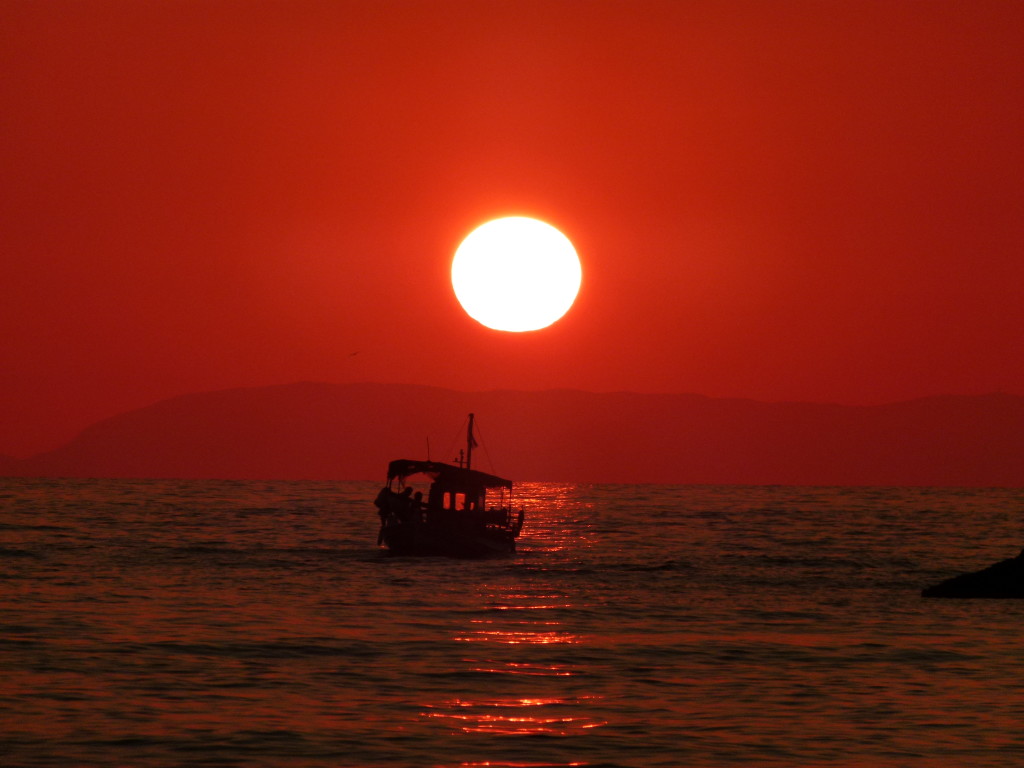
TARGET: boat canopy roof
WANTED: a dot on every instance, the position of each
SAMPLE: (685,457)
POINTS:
(447,475)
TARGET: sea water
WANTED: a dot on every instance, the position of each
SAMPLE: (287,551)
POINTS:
(171,623)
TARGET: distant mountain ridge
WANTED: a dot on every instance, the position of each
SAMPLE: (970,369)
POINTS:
(8,465)
(350,431)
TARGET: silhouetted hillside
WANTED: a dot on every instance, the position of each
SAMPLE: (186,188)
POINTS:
(8,466)
(327,431)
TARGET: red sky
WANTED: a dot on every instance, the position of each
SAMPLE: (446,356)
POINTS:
(815,201)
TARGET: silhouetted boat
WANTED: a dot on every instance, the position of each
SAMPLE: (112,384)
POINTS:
(467,513)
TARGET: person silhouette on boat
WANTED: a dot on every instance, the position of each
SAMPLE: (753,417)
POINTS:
(405,505)
(419,509)
(381,502)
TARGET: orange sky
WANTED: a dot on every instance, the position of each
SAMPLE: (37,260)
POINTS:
(782,201)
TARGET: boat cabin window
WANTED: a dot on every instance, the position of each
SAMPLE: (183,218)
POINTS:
(447,493)
(462,501)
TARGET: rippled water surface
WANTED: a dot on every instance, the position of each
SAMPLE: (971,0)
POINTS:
(165,623)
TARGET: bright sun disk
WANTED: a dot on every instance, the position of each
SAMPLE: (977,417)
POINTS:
(516,274)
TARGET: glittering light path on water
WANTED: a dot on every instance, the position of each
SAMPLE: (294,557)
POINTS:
(520,617)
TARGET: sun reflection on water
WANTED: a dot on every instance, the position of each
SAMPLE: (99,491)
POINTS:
(524,633)
(526,640)
(522,669)
(519,765)
(512,716)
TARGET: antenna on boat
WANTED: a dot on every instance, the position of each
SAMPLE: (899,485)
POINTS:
(470,442)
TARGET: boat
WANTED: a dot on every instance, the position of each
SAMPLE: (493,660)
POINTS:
(466,513)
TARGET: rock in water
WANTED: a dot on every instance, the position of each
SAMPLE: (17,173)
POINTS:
(1004,579)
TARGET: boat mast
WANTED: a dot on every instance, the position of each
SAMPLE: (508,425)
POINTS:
(470,442)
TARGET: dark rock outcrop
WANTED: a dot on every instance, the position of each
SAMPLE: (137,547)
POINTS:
(1004,579)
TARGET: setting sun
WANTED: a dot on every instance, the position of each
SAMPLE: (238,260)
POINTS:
(516,274)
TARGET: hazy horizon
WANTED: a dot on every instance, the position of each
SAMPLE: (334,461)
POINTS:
(26,444)
(311,430)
